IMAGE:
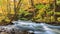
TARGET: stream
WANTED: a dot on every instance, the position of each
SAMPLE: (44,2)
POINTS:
(32,27)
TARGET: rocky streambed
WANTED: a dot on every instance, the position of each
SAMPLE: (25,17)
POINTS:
(28,27)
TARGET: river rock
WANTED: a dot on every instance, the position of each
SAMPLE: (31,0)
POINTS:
(4,33)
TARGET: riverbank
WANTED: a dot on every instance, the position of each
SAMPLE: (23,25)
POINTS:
(51,23)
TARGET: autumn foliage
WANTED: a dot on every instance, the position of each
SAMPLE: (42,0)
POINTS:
(35,10)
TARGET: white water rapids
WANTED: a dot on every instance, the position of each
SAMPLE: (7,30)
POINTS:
(36,28)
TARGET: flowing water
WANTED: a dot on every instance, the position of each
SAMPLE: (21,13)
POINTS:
(32,27)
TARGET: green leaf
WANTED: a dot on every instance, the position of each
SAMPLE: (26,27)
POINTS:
(39,6)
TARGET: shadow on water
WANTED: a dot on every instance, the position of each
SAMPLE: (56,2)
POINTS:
(31,27)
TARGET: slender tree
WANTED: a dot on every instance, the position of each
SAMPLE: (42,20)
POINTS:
(16,9)
(33,7)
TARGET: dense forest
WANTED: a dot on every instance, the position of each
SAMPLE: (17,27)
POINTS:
(46,11)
